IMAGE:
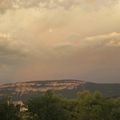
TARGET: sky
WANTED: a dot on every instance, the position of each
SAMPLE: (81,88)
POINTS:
(60,39)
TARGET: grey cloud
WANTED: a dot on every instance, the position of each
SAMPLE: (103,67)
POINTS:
(10,46)
(97,60)
(12,51)
(100,64)
(92,58)
(87,4)
(110,41)
(90,63)
(13,54)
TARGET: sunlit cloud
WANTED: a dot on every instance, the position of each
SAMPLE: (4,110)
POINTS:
(110,39)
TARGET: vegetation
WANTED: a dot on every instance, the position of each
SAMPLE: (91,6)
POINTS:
(86,106)
(8,111)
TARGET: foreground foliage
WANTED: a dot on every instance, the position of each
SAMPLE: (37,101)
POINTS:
(87,106)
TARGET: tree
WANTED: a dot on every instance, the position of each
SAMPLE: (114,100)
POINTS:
(8,111)
(116,109)
(47,107)
(90,106)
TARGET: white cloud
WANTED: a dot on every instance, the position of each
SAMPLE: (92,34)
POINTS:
(103,40)
(111,39)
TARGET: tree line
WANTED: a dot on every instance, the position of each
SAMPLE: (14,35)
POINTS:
(50,106)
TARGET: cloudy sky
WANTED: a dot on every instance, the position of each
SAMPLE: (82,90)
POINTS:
(60,39)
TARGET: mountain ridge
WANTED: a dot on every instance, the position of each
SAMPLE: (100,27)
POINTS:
(66,87)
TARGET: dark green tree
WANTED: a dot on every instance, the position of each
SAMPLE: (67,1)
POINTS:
(90,106)
(47,107)
(8,111)
(116,109)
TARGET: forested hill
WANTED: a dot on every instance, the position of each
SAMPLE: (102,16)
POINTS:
(68,88)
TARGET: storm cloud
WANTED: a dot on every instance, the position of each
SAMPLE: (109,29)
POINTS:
(58,39)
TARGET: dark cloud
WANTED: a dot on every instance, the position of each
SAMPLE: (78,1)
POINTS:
(11,51)
(48,44)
